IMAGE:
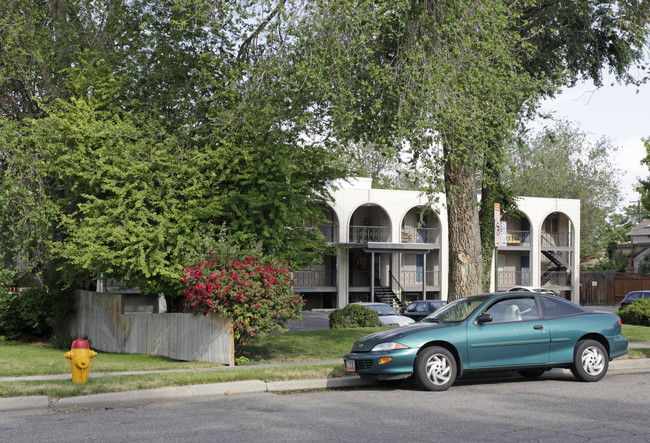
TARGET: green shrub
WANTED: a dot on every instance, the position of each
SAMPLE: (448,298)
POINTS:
(637,313)
(354,316)
(10,323)
(33,311)
(338,319)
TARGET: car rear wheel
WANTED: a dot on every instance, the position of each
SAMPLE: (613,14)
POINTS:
(590,361)
(435,369)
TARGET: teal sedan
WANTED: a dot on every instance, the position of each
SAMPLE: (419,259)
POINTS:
(523,331)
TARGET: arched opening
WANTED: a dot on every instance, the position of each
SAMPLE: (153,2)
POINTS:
(419,270)
(557,240)
(514,260)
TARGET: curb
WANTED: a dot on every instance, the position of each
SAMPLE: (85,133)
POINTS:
(150,395)
(29,403)
(119,399)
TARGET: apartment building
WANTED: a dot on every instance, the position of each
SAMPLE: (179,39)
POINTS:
(393,247)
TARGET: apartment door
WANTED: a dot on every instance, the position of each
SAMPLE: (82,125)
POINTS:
(419,268)
(525,270)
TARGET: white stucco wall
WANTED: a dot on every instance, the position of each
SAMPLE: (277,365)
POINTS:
(356,193)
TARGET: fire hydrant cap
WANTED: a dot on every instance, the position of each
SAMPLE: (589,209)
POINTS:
(80,344)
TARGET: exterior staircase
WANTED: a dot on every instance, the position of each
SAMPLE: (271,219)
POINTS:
(558,261)
(386,295)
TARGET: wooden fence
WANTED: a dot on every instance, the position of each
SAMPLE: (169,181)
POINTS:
(609,287)
(100,317)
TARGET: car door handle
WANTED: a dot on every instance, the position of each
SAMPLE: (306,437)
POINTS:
(538,327)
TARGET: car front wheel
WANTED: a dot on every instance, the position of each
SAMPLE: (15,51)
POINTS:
(590,361)
(435,369)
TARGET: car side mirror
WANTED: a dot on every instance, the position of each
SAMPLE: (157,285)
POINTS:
(484,318)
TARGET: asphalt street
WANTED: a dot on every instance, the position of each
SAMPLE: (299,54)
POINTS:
(553,408)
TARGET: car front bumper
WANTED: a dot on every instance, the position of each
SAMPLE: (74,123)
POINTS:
(396,364)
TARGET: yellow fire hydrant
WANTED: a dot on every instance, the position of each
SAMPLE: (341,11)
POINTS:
(79,357)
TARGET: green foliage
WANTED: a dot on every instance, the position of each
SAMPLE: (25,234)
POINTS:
(644,266)
(131,130)
(257,296)
(353,316)
(563,162)
(615,260)
(33,311)
(154,126)
(637,313)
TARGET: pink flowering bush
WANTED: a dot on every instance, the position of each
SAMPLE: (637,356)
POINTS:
(256,295)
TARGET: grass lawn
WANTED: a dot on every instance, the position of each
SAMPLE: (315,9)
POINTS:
(119,383)
(636,333)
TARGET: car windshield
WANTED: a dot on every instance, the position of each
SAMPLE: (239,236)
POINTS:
(457,310)
(383,310)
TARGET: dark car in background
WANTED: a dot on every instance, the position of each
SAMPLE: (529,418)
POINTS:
(419,309)
(633,296)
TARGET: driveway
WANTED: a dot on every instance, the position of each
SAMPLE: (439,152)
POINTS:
(311,321)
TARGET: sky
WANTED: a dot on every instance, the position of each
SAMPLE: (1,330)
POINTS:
(617,112)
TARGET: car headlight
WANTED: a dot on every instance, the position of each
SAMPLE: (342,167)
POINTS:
(389,346)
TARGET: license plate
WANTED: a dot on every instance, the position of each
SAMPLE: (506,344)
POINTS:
(350,365)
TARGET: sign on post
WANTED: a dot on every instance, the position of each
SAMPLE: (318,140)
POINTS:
(497,225)
(504,234)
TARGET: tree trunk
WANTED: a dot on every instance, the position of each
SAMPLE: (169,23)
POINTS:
(465,262)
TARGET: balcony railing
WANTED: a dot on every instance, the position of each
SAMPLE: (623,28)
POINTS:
(558,239)
(308,279)
(414,278)
(514,278)
(365,234)
(518,238)
(556,278)
(420,235)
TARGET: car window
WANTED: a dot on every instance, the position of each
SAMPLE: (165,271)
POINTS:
(411,307)
(632,296)
(646,295)
(422,307)
(556,307)
(383,310)
(513,309)
(458,310)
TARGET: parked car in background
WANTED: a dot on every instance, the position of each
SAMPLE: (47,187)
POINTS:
(524,331)
(633,296)
(388,316)
(532,289)
(419,309)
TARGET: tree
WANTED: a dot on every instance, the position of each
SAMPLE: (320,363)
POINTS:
(420,74)
(386,170)
(157,124)
(450,80)
(563,162)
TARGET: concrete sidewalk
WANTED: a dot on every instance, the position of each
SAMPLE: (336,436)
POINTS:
(214,390)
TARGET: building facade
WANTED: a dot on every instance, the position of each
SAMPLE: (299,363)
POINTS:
(393,247)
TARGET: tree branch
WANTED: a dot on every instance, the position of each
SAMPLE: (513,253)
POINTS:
(243,49)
